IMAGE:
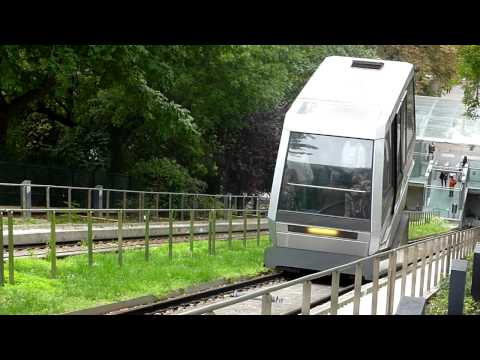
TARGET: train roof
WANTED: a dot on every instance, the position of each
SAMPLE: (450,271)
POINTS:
(345,100)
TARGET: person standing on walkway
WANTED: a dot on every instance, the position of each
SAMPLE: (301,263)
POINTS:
(431,150)
(442,178)
(451,184)
(464,161)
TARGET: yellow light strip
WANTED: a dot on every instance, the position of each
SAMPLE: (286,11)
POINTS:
(322,231)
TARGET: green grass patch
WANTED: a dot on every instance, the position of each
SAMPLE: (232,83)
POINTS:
(438,304)
(435,226)
(77,286)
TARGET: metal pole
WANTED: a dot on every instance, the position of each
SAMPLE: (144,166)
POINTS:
(89,199)
(2,280)
(404,271)
(192,214)
(375,271)
(210,232)
(90,239)
(11,264)
(69,204)
(120,237)
(157,202)
(182,204)
(47,195)
(53,245)
(124,200)
(414,270)
(306,298)
(147,235)
(230,229)
(170,234)
(334,292)
(266,304)
(357,287)
(214,226)
(391,283)
(107,203)
(244,227)
(258,227)
(449,254)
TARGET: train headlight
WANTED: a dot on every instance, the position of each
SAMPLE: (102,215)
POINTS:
(322,231)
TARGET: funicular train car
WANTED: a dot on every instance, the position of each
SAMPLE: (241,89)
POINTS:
(344,159)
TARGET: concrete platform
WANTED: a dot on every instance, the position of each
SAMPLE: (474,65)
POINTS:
(40,234)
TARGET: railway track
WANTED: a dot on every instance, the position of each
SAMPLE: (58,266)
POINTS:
(100,246)
(148,305)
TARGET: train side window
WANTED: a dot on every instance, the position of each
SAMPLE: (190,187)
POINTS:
(387,177)
(410,114)
(399,150)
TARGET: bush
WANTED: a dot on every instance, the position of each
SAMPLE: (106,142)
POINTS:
(162,174)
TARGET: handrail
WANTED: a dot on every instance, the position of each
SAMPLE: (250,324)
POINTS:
(126,191)
(308,278)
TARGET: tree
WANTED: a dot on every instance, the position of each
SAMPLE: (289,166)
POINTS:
(469,69)
(435,65)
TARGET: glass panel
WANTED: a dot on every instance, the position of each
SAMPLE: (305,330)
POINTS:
(410,114)
(327,175)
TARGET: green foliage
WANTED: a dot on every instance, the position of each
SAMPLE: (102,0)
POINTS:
(469,68)
(435,65)
(77,286)
(438,304)
(166,175)
(435,226)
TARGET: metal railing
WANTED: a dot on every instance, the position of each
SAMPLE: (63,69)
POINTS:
(438,251)
(57,196)
(250,221)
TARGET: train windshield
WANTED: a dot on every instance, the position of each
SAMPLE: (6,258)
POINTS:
(327,175)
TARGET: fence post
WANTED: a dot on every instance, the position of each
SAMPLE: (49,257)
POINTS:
(53,245)
(90,239)
(11,265)
(2,281)
(47,196)
(140,206)
(124,200)
(210,232)
(107,203)
(258,227)
(244,227)
(182,204)
(170,234)
(266,304)
(157,202)
(69,204)
(192,214)
(456,291)
(214,228)
(230,229)
(120,237)
(306,297)
(476,274)
(26,198)
(99,199)
(89,198)
(147,235)
(391,282)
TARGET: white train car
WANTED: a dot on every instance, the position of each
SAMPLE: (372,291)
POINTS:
(344,159)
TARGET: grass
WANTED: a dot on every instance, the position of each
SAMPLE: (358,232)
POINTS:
(435,226)
(438,304)
(78,287)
